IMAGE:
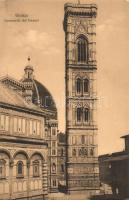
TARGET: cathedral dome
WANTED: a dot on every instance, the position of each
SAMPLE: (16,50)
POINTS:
(45,98)
(36,91)
(40,94)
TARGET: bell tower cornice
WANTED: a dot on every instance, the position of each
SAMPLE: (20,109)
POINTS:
(85,10)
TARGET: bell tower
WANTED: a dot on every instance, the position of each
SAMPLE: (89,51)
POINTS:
(81,97)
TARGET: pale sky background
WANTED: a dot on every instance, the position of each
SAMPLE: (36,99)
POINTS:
(43,41)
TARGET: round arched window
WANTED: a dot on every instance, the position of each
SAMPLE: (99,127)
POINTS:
(20,169)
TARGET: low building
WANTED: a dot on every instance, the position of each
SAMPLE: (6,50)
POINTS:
(28,124)
(114,170)
(23,149)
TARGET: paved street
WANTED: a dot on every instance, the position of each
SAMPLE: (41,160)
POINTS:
(61,196)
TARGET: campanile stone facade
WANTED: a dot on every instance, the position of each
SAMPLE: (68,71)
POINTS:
(81,98)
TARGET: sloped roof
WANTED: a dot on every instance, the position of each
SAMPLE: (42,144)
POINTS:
(39,91)
(9,96)
(9,79)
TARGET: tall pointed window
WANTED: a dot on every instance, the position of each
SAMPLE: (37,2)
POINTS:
(82,49)
(86,85)
(86,114)
(79,114)
(79,85)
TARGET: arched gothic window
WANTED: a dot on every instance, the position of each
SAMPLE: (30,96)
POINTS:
(20,169)
(86,114)
(2,168)
(36,168)
(83,114)
(79,114)
(78,85)
(82,49)
(86,85)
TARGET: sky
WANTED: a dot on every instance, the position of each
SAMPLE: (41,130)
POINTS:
(43,40)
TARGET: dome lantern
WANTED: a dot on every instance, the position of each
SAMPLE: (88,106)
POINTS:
(29,70)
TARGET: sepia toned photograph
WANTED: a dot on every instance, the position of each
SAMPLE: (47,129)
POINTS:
(64,100)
